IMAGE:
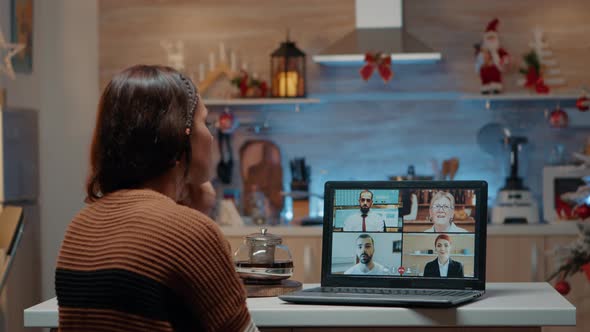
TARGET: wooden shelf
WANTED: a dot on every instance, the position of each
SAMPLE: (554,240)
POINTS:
(442,96)
(524,96)
(387,96)
(392,96)
(432,255)
(260,101)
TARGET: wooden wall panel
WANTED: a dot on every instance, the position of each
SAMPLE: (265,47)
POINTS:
(130,32)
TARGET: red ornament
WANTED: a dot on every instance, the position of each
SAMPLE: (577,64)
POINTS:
(401,270)
(583,104)
(226,122)
(558,118)
(582,211)
(563,287)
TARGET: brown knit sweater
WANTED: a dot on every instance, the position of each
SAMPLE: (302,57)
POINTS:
(136,261)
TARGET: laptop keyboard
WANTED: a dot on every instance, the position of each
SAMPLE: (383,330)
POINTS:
(389,291)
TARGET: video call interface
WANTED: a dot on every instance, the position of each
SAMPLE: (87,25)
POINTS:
(419,233)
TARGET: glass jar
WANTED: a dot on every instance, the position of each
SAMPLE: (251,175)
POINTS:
(262,258)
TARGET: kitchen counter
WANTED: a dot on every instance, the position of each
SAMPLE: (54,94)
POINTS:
(561,228)
(509,306)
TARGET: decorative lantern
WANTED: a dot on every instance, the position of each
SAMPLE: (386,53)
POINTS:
(287,71)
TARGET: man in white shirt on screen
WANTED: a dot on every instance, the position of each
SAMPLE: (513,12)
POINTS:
(365,249)
(366,220)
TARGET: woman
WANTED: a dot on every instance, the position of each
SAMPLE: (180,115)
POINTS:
(133,259)
(442,210)
(443,265)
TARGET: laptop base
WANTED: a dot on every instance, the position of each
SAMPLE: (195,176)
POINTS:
(381,296)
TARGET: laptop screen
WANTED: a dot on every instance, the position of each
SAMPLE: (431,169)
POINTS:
(407,231)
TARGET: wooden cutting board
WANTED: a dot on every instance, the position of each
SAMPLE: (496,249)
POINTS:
(286,286)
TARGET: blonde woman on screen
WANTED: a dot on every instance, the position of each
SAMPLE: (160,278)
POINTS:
(442,211)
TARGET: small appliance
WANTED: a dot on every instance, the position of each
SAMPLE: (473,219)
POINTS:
(514,202)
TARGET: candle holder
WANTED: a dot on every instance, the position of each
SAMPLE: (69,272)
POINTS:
(287,71)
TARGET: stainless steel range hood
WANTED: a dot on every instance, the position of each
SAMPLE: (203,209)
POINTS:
(379,27)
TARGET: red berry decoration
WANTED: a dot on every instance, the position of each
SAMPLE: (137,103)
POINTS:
(563,287)
(583,104)
(586,269)
(582,211)
(541,87)
(558,118)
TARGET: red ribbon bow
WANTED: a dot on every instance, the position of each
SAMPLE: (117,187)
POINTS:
(380,61)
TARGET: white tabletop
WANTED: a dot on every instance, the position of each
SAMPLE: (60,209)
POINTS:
(504,304)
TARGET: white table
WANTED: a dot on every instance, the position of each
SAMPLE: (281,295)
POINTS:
(506,306)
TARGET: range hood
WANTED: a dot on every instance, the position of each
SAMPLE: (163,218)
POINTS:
(379,27)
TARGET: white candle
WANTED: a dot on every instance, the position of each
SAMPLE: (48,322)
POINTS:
(201,72)
(233,61)
(244,66)
(211,61)
(288,84)
(221,52)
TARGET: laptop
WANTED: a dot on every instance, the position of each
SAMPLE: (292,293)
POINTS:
(406,243)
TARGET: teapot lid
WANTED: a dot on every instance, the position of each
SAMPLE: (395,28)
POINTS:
(263,236)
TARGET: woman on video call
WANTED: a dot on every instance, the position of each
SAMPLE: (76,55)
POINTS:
(442,211)
(134,259)
(443,265)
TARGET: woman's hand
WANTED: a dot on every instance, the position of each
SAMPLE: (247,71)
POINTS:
(201,197)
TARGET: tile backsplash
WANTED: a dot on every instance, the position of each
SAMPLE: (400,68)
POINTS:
(369,139)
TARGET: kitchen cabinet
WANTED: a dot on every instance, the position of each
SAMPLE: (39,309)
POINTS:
(514,258)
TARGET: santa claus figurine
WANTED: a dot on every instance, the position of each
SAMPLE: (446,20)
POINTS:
(491,60)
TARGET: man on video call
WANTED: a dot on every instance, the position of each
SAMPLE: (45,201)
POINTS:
(365,248)
(366,220)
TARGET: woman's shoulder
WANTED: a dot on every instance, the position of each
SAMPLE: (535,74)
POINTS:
(179,216)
